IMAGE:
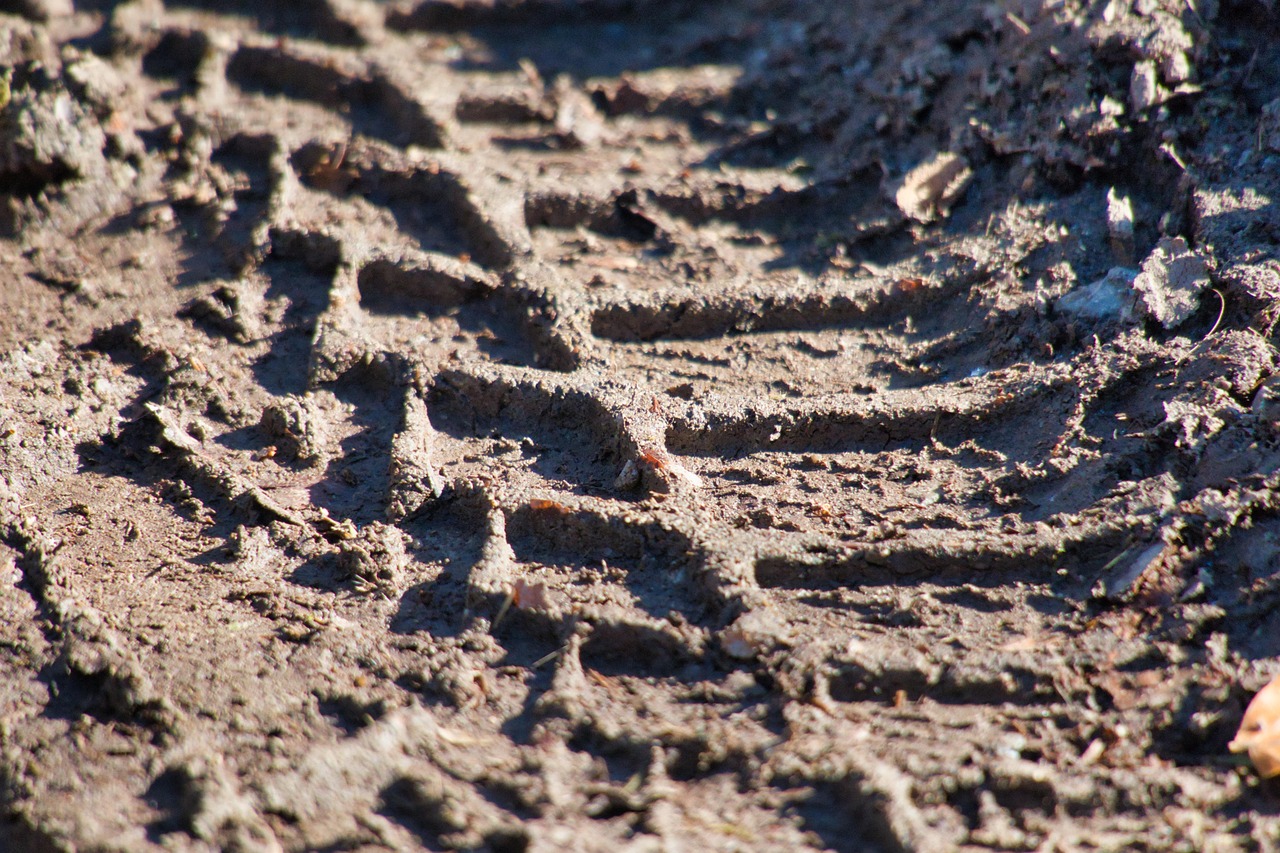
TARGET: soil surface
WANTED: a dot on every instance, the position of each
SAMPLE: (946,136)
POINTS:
(637,424)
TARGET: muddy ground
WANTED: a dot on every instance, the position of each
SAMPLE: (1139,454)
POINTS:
(637,424)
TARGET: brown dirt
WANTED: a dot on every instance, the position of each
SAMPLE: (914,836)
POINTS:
(633,424)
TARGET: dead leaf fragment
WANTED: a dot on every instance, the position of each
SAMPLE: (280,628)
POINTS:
(620,263)
(547,505)
(532,595)
(929,190)
(673,473)
(1259,732)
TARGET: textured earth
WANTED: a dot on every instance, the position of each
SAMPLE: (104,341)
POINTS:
(637,424)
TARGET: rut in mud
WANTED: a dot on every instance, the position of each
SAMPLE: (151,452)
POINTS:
(536,425)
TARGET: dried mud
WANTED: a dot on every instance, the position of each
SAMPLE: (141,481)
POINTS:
(637,425)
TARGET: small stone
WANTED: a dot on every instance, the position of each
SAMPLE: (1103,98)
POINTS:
(1120,226)
(1110,107)
(1176,67)
(1144,90)
(1109,298)
(628,478)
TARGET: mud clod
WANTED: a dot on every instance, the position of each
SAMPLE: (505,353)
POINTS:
(929,190)
(375,560)
(297,428)
(48,138)
(1170,282)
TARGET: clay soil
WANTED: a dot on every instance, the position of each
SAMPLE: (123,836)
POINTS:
(637,425)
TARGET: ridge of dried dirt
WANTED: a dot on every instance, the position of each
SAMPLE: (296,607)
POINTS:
(536,425)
